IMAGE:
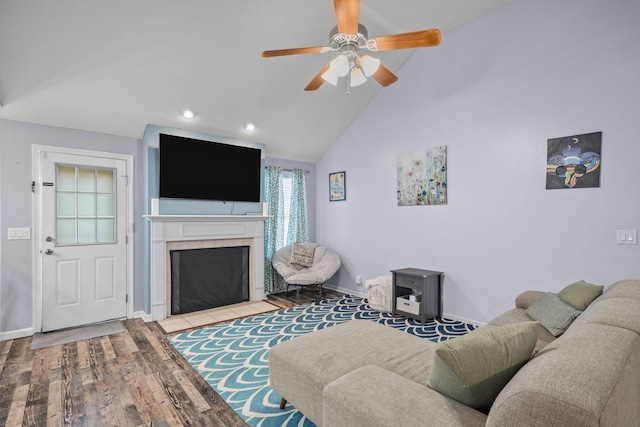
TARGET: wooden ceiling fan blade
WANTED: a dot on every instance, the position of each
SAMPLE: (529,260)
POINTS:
(294,51)
(317,80)
(384,76)
(347,15)
(424,38)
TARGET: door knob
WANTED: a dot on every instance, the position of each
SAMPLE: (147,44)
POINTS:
(48,252)
(49,239)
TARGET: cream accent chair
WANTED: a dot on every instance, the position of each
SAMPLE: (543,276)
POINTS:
(325,264)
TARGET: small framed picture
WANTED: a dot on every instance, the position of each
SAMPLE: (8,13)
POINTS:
(337,188)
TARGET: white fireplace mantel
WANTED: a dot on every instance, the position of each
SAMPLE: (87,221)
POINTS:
(171,228)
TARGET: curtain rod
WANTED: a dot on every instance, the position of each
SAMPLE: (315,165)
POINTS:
(291,170)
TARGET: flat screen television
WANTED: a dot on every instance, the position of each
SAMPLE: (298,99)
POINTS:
(204,170)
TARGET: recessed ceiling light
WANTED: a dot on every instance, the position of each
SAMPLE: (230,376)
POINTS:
(187,113)
(250,127)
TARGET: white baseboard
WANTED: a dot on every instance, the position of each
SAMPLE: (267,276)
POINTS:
(463,319)
(12,335)
(337,288)
(142,315)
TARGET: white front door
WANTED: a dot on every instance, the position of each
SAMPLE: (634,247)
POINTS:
(84,239)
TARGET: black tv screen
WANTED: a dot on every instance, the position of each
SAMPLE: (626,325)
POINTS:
(196,169)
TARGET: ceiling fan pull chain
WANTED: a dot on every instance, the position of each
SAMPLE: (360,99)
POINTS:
(349,82)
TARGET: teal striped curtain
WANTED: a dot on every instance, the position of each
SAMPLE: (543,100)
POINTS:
(274,226)
(298,218)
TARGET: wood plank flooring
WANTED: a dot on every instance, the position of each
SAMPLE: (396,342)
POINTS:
(134,378)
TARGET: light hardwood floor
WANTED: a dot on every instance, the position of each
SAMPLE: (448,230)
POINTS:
(134,378)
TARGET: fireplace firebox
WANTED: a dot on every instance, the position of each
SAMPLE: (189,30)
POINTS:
(208,278)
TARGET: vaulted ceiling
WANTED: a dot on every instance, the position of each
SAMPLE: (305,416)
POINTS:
(115,66)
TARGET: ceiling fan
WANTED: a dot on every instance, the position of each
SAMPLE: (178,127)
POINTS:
(349,38)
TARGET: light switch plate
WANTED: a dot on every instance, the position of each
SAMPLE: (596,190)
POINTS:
(19,233)
(627,237)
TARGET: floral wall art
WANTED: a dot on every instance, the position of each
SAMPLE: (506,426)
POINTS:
(422,177)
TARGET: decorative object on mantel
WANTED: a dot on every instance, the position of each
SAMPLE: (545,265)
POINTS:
(337,186)
(422,177)
(347,38)
(574,161)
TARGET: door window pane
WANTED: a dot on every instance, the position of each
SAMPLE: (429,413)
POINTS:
(106,230)
(86,179)
(105,181)
(66,205)
(85,205)
(66,179)
(87,231)
(66,231)
(105,205)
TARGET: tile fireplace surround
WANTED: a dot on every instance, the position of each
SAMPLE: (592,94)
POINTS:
(202,231)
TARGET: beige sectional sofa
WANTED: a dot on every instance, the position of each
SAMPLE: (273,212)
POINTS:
(365,374)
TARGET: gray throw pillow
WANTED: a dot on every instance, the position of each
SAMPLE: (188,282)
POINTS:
(302,254)
(580,294)
(554,314)
(474,368)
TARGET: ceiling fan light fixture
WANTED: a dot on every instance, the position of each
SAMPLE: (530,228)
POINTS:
(330,77)
(340,65)
(369,65)
(357,77)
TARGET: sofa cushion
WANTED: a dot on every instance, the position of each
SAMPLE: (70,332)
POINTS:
(474,368)
(580,294)
(553,313)
(302,254)
(516,315)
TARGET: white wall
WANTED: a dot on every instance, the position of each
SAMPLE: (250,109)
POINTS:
(493,92)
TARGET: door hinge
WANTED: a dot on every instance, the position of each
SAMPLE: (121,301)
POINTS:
(126,298)
(126,179)
(126,239)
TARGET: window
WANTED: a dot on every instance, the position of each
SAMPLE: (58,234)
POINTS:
(85,205)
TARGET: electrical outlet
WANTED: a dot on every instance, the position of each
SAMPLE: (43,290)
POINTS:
(358,280)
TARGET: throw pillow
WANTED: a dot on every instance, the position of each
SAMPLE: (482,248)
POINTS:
(302,254)
(553,313)
(474,368)
(580,294)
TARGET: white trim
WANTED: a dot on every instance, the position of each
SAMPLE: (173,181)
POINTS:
(463,319)
(226,229)
(142,315)
(344,290)
(18,333)
(36,223)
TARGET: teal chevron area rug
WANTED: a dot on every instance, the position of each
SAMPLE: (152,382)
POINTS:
(232,357)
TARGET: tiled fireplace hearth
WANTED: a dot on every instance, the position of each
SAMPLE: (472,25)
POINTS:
(170,232)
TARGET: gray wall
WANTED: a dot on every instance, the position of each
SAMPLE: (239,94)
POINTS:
(493,92)
(16,264)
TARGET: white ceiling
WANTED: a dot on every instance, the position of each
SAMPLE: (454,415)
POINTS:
(115,66)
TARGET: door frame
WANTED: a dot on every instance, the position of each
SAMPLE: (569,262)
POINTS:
(36,223)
